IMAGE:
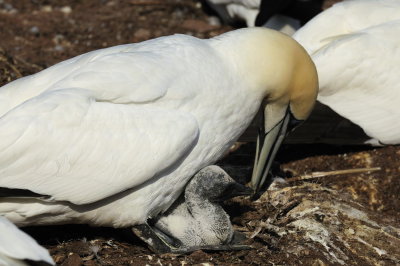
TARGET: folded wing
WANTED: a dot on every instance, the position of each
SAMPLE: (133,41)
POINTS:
(96,127)
(359,79)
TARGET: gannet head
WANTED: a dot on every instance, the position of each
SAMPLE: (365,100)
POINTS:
(278,71)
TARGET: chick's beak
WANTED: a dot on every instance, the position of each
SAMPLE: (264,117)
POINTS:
(241,190)
(234,190)
(268,144)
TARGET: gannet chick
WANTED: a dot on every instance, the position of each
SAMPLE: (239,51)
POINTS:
(17,248)
(197,219)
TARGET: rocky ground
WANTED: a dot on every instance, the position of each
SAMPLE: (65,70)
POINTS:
(335,205)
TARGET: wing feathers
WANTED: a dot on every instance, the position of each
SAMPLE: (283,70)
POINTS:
(359,80)
(67,145)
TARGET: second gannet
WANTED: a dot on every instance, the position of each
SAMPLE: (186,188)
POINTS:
(355,46)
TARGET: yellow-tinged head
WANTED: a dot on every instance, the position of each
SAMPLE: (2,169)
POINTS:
(274,65)
(279,70)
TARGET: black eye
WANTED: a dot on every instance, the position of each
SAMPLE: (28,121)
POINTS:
(293,122)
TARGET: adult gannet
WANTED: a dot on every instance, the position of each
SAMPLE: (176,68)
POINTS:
(17,248)
(355,46)
(196,219)
(111,137)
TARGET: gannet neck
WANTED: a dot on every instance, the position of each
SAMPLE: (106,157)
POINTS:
(273,65)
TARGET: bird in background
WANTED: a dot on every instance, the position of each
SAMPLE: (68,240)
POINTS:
(355,46)
(19,249)
(112,137)
(283,15)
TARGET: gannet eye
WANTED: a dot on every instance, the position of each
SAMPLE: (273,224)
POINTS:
(293,122)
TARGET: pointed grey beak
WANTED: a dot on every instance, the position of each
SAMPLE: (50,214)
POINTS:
(268,144)
(241,190)
(233,190)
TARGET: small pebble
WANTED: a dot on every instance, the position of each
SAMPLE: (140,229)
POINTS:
(72,260)
(214,21)
(59,48)
(66,10)
(46,8)
(142,34)
(34,30)
(197,25)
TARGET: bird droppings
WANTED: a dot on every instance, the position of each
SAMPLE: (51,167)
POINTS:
(352,218)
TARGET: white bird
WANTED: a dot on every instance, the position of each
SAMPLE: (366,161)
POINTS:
(355,46)
(111,137)
(17,248)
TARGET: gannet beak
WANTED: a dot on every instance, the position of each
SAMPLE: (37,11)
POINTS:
(268,144)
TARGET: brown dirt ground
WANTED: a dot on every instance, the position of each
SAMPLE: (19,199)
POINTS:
(39,33)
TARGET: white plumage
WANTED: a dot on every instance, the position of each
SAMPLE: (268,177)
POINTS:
(16,246)
(355,46)
(113,136)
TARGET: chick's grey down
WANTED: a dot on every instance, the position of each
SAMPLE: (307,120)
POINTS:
(197,219)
